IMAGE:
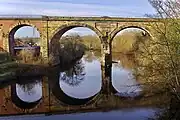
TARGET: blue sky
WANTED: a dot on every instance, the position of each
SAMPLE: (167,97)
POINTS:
(115,8)
(121,8)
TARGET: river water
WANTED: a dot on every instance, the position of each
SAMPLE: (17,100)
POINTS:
(84,80)
(124,114)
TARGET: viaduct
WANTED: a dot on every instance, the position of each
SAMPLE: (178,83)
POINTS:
(51,28)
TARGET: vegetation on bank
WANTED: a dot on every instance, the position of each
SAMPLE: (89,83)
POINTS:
(128,41)
(70,48)
(160,60)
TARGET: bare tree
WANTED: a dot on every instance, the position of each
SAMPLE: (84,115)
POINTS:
(75,75)
(67,49)
(159,60)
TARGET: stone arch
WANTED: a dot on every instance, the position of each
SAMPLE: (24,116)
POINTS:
(12,31)
(64,28)
(56,89)
(132,26)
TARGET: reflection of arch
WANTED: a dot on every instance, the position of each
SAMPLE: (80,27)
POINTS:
(20,103)
(60,95)
(126,27)
(12,32)
(64,28)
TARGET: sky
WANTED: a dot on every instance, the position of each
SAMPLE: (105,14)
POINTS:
(120,8)
(113,8)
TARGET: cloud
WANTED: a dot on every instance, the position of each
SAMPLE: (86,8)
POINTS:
(67,9)
(80,31)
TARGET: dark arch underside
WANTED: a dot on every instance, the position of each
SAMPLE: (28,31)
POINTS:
(129,27)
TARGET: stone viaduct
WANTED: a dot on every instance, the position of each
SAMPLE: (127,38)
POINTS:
(51,28)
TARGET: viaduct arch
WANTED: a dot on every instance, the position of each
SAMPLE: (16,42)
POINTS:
(51,28)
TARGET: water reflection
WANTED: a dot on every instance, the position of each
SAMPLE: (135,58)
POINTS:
(75,81)
(75,75)
(91,55)
(29,92)
(124,82)
(26,96)
(88,79)
(84,78)
(124,114)
(123,79)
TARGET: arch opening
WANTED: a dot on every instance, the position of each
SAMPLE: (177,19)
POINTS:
(64,29)
(24,43)
(77,49)
(127,43)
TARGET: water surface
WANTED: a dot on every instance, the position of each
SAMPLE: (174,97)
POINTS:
(124,114)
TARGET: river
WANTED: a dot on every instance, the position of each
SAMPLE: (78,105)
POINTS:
(84,80)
